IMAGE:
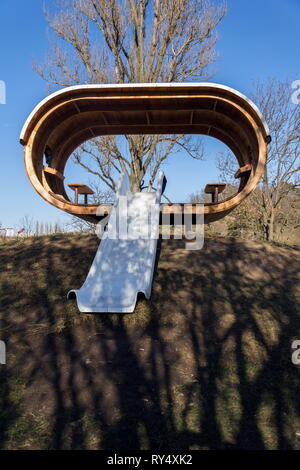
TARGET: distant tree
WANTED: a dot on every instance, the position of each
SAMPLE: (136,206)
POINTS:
(281,178)
(37,228)
(101,196)
(132,41)
(27,222)
(243,222)
(197,197)
(288,216)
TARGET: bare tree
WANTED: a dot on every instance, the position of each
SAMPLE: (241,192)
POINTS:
(58,228)
(27,222)
(37,228)
(282,173)
(129,41)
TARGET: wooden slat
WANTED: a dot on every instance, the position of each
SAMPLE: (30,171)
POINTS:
(210,188)
(54,172)
(244,169)
(81,188)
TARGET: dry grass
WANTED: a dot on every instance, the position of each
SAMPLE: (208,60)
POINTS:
(206,364)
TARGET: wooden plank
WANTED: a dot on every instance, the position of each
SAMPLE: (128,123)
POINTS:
(53,171)
(243,170)
(210,188)
(81,188)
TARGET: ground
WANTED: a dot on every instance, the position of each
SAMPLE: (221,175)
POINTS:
(206,364)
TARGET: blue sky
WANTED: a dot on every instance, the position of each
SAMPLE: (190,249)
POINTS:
(258,39)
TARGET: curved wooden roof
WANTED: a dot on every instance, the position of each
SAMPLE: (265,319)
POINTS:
(69,117)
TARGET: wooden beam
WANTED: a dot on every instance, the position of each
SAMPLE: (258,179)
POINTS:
(191,117)
(53,171)
(104,119)
(81,188)
(210,187)
(243,170)
(148,118)
(76,107)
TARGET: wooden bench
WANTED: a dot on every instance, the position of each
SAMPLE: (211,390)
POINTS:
(214,189)
(80,189)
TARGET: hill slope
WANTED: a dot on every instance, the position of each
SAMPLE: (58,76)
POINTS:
(206,364)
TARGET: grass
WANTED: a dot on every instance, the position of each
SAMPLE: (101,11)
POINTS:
(206,364)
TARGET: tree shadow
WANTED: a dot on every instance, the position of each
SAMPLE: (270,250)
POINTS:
(208,367)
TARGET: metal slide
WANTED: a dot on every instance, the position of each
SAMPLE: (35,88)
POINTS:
(124,263)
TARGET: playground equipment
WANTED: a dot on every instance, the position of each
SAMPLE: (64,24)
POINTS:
(69,117)
(124,265)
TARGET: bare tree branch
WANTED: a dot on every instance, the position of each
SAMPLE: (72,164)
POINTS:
(129,41)
(282,173)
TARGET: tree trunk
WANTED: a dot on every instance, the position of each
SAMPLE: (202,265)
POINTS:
(271,225)
(135,182)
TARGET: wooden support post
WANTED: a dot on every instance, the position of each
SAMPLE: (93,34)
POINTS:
(76,196)
(215,195)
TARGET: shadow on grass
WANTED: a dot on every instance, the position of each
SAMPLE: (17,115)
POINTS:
(205,365)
